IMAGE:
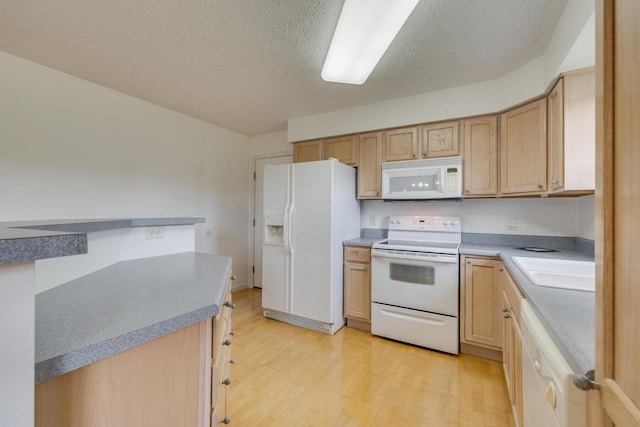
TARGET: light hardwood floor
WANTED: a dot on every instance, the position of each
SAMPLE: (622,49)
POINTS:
(288,376)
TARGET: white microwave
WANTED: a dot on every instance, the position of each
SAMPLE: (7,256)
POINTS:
(426,179)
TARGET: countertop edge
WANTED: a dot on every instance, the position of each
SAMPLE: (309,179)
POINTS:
(74,356)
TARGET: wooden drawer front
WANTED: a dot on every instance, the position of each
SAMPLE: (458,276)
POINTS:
(514,295)
(357,254)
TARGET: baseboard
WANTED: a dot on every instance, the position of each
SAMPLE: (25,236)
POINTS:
(239,286)
(359,324)
(485,353)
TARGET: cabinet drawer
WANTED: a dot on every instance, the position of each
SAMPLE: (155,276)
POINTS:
(357,254)
(514,295)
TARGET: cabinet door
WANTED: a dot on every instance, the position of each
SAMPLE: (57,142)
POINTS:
(357,291)
(480,160)
(555,127)
(483,301)
(308,151)
(343,148)
(523,149)
(369,167)
(440,140)
(400,144)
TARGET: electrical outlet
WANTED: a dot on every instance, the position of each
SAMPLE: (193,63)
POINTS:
(373,220)
(154,233)
(512,224)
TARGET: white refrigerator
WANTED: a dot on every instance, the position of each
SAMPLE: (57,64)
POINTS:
(309,209)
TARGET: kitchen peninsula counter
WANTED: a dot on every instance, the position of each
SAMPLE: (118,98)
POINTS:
(124,305)
(23,241)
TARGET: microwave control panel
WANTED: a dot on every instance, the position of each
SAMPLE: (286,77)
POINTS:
(452,180)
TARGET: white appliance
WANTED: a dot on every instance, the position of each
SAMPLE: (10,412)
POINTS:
(426,179)
(309,210)
(548,394)
(414,282)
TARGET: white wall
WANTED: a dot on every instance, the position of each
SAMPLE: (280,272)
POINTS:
(73,149)
(269,143)
(535,216)
(586,217)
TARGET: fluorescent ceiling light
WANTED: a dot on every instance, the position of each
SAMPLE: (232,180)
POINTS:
(365,30)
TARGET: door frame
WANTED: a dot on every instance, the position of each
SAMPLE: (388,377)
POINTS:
(252,207)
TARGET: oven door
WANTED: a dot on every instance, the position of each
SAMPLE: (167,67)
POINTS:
(421,281)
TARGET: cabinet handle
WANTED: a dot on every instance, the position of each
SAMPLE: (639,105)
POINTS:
(232,361)
(230,304)
(467,191)
(506,315)
(226,381)
(414,155)
(501,269)
(540,186)
(504,309)
(554,182)
(226,420)
(377,193)
(232,333)
(468,262)
(227,342)
(233,277)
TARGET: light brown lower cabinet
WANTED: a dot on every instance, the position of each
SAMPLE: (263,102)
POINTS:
(512,348)
(481,300)
(175,380)
(357,286)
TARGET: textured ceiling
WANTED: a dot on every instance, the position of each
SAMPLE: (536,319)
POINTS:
(250,66)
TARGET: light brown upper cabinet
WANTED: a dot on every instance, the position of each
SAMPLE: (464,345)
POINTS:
(369,167)
(308,151)
(571,133)
(480,159)
(439,140)
(523,149)
(400,144)
(343,148)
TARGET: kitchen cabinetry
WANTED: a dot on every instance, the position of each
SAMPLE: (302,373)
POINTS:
(357,286)
(571,133)
(512,347)
(308,151)
(400,144)
(440,140)
(370,165)
(481,290)
(523,150)
(480,159)
(169,381)
(343,148)
(221,360)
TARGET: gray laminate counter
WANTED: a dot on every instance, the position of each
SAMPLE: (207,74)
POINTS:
(23,241)
(568,316)
(364,242)
(124,305)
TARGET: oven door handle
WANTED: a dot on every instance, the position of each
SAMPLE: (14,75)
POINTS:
(385,253)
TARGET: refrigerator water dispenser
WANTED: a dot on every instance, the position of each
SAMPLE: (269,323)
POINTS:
(273,229)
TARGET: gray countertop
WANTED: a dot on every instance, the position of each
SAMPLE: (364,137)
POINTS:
(23,241)
(364,242)
(124,305)
(568,316)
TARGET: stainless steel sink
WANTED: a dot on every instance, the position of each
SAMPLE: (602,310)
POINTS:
(559,273)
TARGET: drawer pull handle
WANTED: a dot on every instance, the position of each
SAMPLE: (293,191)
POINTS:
(504,309)
(232,333)
(233,277)
(230,304)
(226,420)
(232,361)
(226,381)
(227,342)
(506,315)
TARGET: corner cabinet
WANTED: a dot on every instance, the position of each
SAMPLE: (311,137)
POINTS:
(481,300)
(523,150)
(370,165)
(357,286)
(480,159)
(512,347)
(571,134)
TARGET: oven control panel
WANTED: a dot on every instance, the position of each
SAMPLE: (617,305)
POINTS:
(426,223)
